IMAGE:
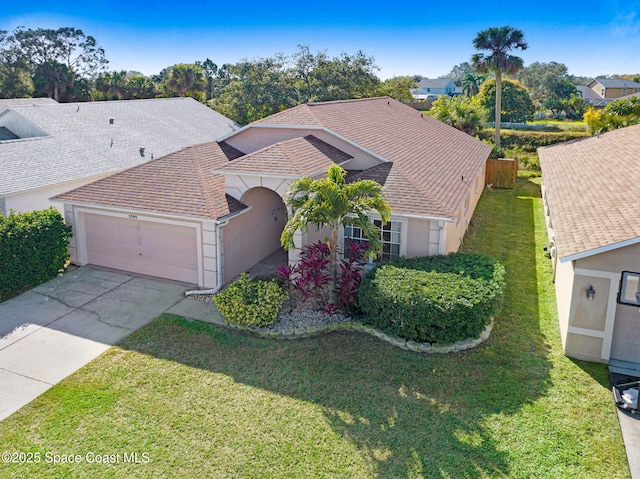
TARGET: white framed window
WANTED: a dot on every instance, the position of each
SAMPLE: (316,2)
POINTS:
(391,236)
(629,289)
(624,91)
(466,204)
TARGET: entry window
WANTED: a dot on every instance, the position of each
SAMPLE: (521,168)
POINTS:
(390,233)
(629,289)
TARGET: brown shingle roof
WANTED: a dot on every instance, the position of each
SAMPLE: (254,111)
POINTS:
(180,184)
(592,187)
(429,157)
(294,158)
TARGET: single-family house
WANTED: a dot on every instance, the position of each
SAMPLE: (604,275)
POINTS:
(590,191)
(613,87)
(48,148)
(431,88)
(208,212)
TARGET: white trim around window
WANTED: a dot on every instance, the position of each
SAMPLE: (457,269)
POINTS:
(394,237)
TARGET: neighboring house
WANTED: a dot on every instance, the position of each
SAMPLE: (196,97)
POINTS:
(48,148)
(591,202)
(592,98)
(206,213)
(613,87)
(429,89)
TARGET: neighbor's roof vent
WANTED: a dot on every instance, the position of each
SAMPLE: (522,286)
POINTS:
(111,120)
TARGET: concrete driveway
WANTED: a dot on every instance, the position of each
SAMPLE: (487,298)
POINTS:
(49,332)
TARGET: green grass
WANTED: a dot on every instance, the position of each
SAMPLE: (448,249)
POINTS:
(206,402)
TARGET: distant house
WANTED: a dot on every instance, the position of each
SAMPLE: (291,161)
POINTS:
(590,191)
(206,213)
(430,89)
(602,91)
(47,147)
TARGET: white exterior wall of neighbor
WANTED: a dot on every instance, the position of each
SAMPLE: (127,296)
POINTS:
(205,237)
(19,125)
(35,199)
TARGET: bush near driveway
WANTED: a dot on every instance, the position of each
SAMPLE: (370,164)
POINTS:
(253,303)
(435,299)
(33,249)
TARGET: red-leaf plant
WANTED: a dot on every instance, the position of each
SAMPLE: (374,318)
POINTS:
(310,277)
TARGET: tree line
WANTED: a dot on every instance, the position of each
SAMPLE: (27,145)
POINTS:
(68,65)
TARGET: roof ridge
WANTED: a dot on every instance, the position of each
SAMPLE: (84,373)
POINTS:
(348,100)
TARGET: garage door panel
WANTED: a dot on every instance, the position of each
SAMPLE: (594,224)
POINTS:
(146,247)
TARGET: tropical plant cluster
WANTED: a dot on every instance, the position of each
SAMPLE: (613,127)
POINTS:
(617,114)
(309,280)
(33,248)
(252,303)
(435,299)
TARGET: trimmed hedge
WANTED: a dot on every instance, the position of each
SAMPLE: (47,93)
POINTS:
(253,303)
(33,249)
(529,140)
(434,299)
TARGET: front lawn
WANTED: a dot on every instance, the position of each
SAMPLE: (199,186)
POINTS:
(204,402)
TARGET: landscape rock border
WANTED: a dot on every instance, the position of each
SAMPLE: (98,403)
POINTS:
(311,331)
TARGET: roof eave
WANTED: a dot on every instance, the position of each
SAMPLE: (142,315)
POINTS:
(80,204)
(600,250)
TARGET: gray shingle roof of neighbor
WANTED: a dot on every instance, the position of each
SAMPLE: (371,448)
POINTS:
(81,141)
(433,82)
(617,83)
(592,191)
(26,102)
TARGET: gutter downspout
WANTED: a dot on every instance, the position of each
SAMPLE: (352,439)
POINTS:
(219,226)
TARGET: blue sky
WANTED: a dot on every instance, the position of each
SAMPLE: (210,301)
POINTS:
(425,38)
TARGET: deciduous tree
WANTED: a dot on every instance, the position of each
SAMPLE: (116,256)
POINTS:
(516,103)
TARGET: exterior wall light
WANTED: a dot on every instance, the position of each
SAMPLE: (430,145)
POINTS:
(591,293)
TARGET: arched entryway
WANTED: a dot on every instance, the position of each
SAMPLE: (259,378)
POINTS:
(254,235)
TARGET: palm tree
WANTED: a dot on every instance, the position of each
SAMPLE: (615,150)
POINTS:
(471,84)
(332,202)
(498,41)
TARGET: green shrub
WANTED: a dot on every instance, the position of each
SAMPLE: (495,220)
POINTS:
(529,141)
(435,299)
(253,303)
(33,249)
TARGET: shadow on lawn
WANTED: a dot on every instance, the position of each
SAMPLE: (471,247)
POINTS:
(410,415)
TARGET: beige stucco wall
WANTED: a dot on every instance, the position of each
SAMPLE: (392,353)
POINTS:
(419,237)
(454,232)
(620,323)
(39,199)
(598,329)
(616,261)
(564,287)
(252,236)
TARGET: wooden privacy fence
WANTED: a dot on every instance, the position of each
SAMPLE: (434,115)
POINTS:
(501,173)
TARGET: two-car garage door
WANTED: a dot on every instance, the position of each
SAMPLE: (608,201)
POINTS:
(145,247)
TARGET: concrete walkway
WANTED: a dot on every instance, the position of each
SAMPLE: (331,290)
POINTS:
(51,331)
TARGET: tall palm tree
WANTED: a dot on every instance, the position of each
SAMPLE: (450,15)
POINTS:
(332,202)
(499,42)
